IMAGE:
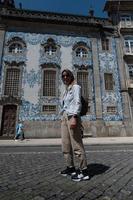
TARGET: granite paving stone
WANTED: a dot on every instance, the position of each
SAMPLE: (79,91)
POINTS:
(34,174)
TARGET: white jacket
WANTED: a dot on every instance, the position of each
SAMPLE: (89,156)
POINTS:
(71,102)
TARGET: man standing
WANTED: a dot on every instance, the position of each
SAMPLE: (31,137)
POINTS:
(71,129)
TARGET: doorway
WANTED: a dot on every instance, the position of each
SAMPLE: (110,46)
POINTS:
(8,120)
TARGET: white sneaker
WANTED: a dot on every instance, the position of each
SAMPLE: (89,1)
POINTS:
(81,175)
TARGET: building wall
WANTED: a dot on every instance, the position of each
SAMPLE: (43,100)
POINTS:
(38,124)
(108,64)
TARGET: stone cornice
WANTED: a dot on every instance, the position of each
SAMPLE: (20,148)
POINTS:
(50,17)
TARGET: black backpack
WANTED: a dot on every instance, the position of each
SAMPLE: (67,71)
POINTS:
(84,106)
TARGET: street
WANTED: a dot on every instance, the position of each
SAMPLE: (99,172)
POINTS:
(32,173)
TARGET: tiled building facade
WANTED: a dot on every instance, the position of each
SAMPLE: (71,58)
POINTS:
(36,46)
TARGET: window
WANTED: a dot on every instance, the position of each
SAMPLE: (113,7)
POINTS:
(81,52)
(49,83)
(125,20)
(108,78)
(16,45)
(15,48)
(50,50)
(105,44)
(89,109)
(111,109)
(129,46)
(131,101)
(12,82)
(82,79)
(130,67)
(49,109)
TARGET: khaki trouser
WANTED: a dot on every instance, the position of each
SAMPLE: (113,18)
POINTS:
(72,143)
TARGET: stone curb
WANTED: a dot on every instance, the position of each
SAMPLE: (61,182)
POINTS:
(57,142)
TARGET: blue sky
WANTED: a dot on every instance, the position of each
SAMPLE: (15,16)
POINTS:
(80,7)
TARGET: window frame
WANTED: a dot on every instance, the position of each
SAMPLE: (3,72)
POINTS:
(49,112)
(19,81)
(126,20)
(111,110)
(105,44)
(51,44)
(48,100)
(129,46)
(130,71)
(107,83)
(17,50)
(52,53)
(84,94)
(56,82)
(13,41)
(82,55)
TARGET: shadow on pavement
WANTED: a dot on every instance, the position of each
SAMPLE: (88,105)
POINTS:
(95,169)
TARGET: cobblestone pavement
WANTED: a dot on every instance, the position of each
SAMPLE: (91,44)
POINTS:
(33,174)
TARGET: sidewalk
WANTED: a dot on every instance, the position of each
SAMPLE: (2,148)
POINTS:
(57,141)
